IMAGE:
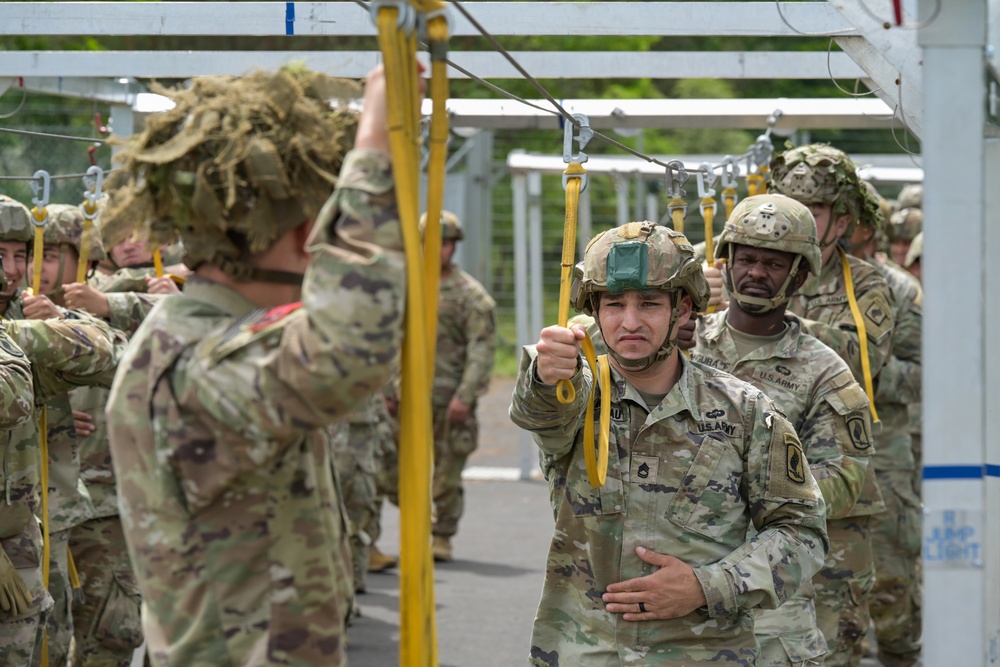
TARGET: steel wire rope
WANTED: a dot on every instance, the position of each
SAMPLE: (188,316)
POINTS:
(60,177)
(889,25)
(784,19)
(49,135)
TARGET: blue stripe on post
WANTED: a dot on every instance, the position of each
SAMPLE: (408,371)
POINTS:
(289,18)
(962,472)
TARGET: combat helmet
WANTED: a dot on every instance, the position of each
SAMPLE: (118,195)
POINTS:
(65,227)
(15,221)
(911,196)
(905,224)
(822,174)
(775,222)
(451,226)
(234,165)
(640,256)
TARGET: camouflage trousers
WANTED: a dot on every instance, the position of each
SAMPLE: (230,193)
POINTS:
(386,477)
(896,604)
(356,467)
(789,636)
(18,636)
(107,625)
(57,632)
(843,586)
(453,443)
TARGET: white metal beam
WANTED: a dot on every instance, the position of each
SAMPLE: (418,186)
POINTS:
(749,114)
(349,19)
(484,64)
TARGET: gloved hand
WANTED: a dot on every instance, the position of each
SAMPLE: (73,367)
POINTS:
(15,599)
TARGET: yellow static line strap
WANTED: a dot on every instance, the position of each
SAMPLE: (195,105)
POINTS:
(755,184)
(74,575)
(677,208)
(859,322)
(597,459)
(565,393)
(729,196)
(418,641)
(81,269)
(157,263)
(39,249)
(708,206)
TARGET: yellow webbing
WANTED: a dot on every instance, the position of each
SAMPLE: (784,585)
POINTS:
(597,461)
(157,263)
(677,208)
(729,196)
(418,632)
(565,392)
(36,265)
(708,206)
(81,268)
(859,322)
(755,184)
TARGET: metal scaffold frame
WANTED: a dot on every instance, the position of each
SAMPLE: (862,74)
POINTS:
(936,75)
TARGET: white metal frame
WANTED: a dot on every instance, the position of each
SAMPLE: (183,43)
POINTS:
(933,78)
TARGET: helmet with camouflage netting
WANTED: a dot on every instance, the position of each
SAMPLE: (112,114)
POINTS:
(640,256)
(15,221)
(775,222)
(451,226)
(234,165)
(822,174)
(905,224)
(65,226)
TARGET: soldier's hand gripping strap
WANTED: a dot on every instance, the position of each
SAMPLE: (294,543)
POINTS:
(859,322)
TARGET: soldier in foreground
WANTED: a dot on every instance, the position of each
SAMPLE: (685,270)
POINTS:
(463,364)
(655,567)
(219,413)
(770,247)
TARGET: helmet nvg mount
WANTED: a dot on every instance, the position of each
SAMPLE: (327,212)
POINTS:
(775,222)
(640,256)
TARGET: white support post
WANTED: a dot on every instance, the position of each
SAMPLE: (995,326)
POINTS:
(960,416)
(621,199)
(525,336)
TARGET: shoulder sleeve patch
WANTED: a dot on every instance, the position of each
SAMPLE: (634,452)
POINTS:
(878,316)
(788,477)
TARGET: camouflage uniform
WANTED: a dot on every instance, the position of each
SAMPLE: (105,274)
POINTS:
(821,174)
(713,456)
(815,390)
(463,364)
(240,549)
(69,503)
(128,300)
(896,534)
(354,459)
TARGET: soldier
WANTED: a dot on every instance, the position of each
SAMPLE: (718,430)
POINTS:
(826,181)
(63,354)
(655,567)
(896,534)
(904,225)
(912,261)
(386,477)
(770,247)
(463,364)
(219,413)
(69,502)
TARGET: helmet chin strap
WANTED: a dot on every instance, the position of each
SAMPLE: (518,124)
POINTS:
(665,350)
(766,305)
